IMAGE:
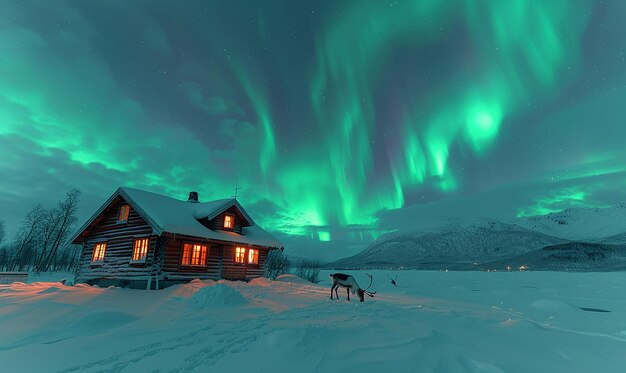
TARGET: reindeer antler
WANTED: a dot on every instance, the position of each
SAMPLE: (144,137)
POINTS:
(371,280)
(370,293)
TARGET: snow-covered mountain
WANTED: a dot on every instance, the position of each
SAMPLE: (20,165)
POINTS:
(580,224)
(469,244)
(450,244)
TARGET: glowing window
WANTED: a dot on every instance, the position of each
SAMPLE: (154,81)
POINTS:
(98,252)
(140,250)
(240,255)
(229,221)
(122,217)
(253,256)
(194,254)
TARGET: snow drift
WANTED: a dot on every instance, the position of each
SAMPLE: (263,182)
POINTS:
(218,294)
(200,294)
(432,322)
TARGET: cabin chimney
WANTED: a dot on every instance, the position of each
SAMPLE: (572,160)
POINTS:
(193,197)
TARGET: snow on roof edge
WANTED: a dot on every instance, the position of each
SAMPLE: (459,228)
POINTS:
(167,214)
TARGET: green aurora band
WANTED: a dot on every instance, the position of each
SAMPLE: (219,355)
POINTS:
(513,37)
(338,171)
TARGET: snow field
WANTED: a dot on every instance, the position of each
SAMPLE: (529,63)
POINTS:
(432,322)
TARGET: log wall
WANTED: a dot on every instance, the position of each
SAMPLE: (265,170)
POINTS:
(120,239)
(172,268)
(220,261)
(238,271)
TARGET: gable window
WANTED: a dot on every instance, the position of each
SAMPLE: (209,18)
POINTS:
(140,250)
(194,254)
(240,255)
(253,256)
(229,221)
(122,216)
(98,252)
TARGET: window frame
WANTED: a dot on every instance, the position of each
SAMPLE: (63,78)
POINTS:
(119,213)
(191,256)
(232,222)
(93,253)
(257,255)
(145,257)
(243,255)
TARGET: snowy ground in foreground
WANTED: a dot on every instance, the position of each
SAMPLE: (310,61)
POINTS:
(433,322)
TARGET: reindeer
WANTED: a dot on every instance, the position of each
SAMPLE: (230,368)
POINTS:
(393,280)
(348,282)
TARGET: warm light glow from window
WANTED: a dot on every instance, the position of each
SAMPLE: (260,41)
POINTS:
(194,254)
(98,252)
(122,217)
(253,256)
(140,251)
(229,221)
(240,255)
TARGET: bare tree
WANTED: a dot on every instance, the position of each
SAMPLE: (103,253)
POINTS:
(309,270)
(47,230)
(66,218)
(74,257)
(277,263)
(41,243)
(4,258)
(26,236)
(3,231)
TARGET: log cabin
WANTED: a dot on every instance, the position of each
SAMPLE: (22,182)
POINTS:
(140,239)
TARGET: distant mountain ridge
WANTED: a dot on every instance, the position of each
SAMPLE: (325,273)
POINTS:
(572,256)
(456,243)
(581,224)
(481,243)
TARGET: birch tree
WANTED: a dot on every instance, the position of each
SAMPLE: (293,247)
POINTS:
(3,231)
(26,238)
(64,219)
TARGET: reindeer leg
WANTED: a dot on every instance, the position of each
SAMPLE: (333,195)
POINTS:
(331,291)
(348,291)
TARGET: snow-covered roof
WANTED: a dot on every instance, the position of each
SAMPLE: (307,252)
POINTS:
(166,214)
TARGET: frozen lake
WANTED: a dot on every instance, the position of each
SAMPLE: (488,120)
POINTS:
(432,322)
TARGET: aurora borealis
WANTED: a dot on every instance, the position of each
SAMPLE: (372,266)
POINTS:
(339,119)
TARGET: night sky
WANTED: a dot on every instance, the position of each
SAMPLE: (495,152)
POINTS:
(340,120)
